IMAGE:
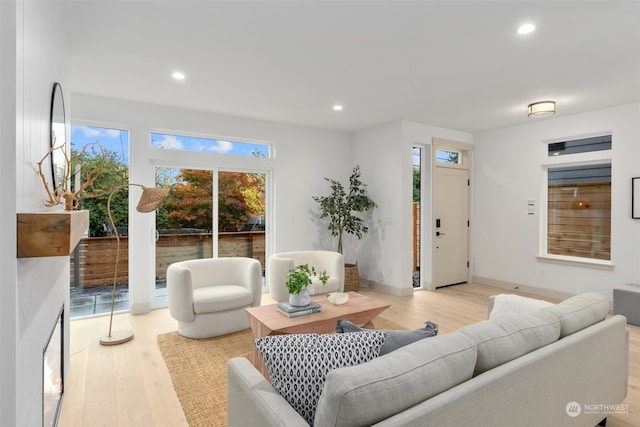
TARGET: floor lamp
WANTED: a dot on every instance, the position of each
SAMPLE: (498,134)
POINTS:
(150,200)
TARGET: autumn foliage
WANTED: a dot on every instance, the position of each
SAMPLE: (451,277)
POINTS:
(189,204)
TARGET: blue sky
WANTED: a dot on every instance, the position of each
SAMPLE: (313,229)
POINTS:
(118,141)
(111,139)
(206,145)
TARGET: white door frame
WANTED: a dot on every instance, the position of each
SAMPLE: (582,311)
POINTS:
(466,163)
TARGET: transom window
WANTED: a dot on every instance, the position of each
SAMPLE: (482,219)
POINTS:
(585,145)
(448,156)
(209,145)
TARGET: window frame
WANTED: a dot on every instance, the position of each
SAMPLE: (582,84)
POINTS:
(457,152)
(571,160)
(217,138)
(463,150)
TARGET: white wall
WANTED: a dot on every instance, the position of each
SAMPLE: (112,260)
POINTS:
(380,156)
(303,157)
(508,172)
(385,158)
(33,57)
(8,313)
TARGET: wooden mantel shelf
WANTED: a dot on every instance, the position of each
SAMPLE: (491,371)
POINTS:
(54,233)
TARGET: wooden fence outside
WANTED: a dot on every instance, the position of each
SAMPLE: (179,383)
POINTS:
(93,261)
(579,217)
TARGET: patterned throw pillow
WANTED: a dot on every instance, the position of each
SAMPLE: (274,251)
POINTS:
(298,364)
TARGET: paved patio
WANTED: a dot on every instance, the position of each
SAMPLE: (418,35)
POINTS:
(97,299)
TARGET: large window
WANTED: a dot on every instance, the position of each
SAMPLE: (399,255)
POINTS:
(93,260)
(215,209)
(579,202)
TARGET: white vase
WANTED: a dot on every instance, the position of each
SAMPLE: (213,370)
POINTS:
(301,299)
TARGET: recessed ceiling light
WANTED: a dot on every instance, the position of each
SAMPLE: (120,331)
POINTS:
(337,107)
(526,28)
(178,75)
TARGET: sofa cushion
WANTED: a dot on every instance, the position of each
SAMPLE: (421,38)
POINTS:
(211,299)
(298,364)
(395,339)
(374,391)
(506,303)
(510,336)
(580,311)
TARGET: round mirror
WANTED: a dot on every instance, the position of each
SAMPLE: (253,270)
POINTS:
(58,138)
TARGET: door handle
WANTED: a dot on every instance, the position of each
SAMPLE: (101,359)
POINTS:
(439,233)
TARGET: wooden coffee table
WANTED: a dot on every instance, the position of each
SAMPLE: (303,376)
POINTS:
(266,320)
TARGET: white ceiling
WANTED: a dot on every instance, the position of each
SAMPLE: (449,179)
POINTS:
(454,64)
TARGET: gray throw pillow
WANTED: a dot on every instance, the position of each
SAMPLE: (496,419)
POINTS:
(394,339)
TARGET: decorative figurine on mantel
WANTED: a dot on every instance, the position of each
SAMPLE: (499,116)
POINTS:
(62,191)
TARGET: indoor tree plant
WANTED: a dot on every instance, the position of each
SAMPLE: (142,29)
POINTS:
(298,281)
(341,207)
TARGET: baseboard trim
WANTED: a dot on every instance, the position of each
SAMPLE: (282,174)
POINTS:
(140,308)
(384,288)
(501,284)
(519,287)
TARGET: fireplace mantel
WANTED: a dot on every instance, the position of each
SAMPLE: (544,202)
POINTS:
(53,233)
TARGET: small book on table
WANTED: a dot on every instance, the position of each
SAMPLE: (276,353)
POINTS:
(295,311)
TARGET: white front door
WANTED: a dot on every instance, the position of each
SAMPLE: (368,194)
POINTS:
(451,226)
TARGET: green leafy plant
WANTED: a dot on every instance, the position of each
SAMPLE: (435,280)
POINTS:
(341,205)
(299,277)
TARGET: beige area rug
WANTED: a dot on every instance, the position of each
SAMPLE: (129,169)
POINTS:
(198,370)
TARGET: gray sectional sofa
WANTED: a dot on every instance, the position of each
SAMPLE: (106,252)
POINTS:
(564,365)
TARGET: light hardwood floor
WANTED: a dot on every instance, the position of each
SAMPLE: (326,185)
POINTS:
(128,385)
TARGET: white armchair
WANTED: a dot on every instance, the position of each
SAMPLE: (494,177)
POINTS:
(208,296)
(279,265)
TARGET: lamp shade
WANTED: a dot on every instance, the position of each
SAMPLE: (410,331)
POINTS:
(542,109)
(151,199)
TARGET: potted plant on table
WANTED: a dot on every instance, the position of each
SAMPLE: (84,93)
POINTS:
(341,207)
(298,282)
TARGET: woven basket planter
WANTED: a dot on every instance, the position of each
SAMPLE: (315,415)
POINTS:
(351,278)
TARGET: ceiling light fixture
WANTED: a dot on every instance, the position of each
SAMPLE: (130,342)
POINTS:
(178,75)
(337,107)
(541,109)
(526,28)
